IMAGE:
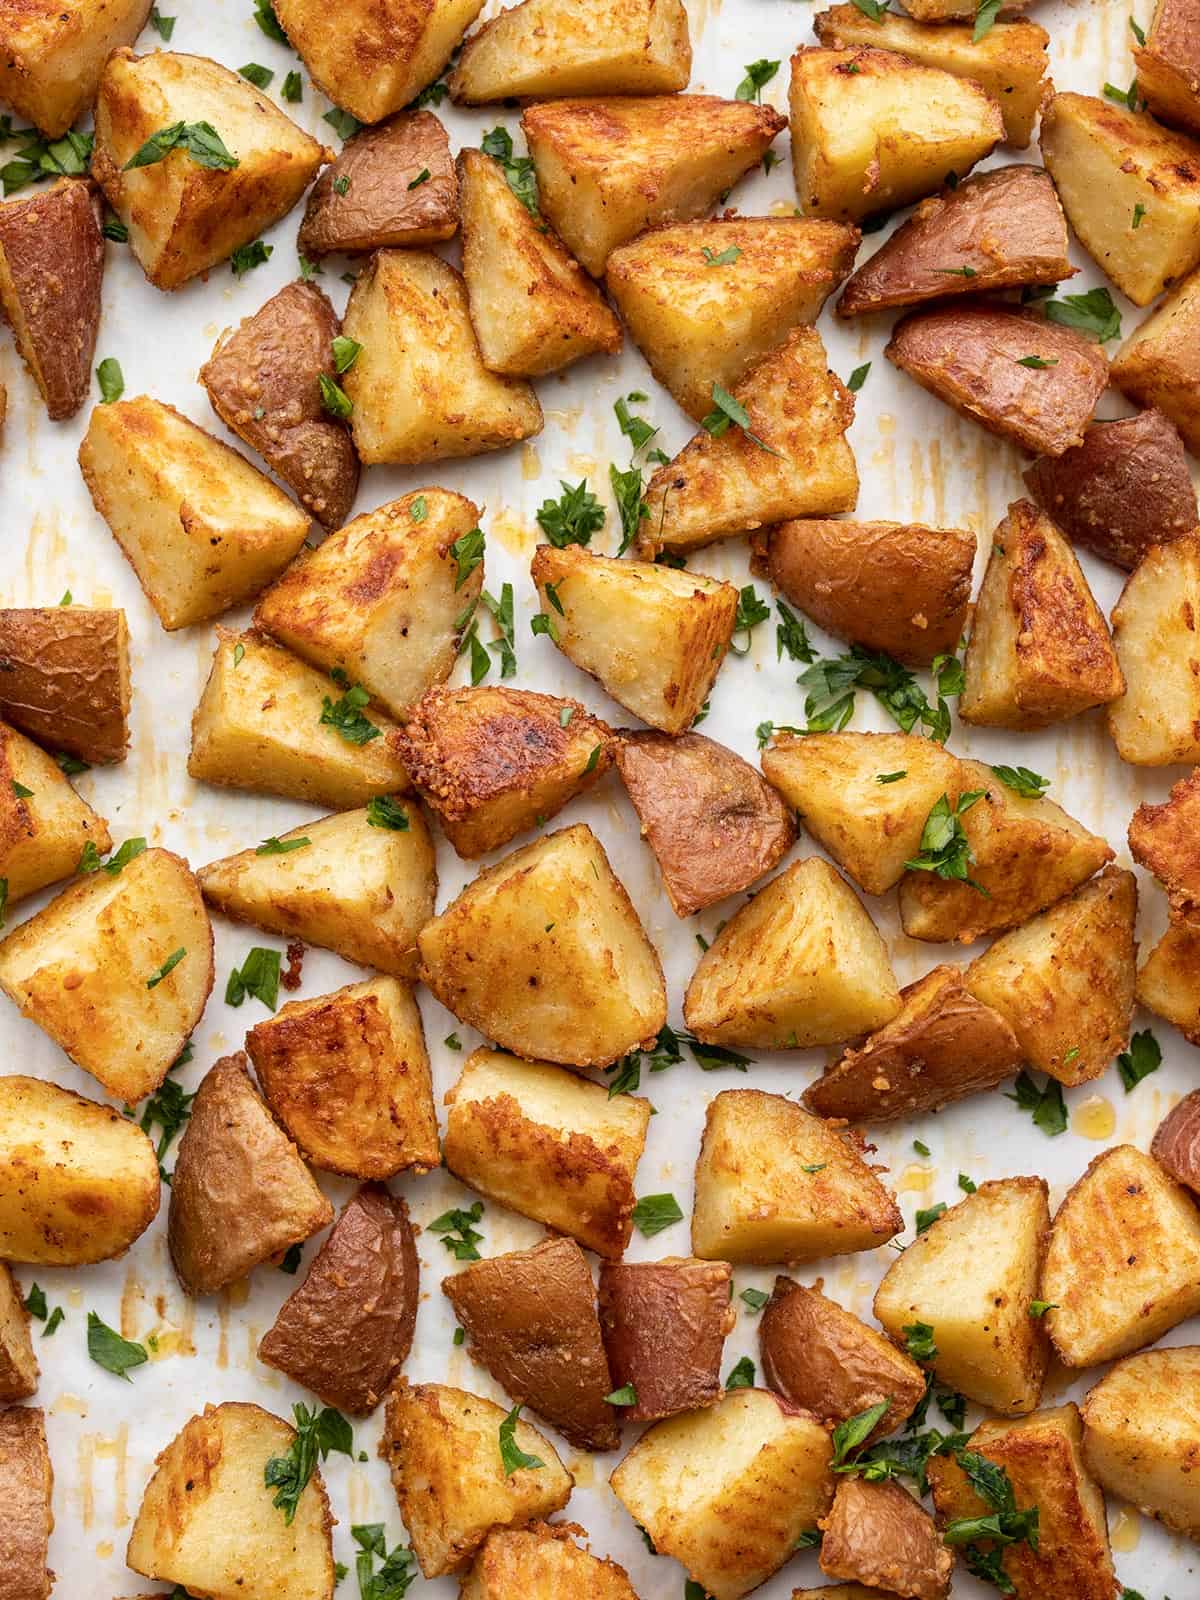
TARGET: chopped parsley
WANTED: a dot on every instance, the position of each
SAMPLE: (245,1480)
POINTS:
(342,123)
(512,1457)
(1030,785)
(198,140)
(858,377)
(257,976)
(728,412)
(791,636)
(259,76)
(573,517)
(111,380)
(1093,313)
(919,1341)
(248,256)
(1143,1057)
(293,88)
(264,15)
(280,847)
(723,258)
(654,1212)
(108,1350)
(742,1375)
(467,554)
(518,170)
(345,353)
(422,177)
(334,398)
(458,1231)
(1037,361)
(90,860)
(167,967)
(1045,1104)
(945,849)
(346,715)
(758,75)
(397,1573)
(754,1299)
(318,1433)
(926,1218)
(383,811)
(170,1108)
(626,1395)
(985,19)
(750,612)
(163,26)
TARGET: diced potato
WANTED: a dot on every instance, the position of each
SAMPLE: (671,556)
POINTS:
(207,1522)
(26,1487)
(18,1364)
(44,824)
(839,1591)
(801,964)
(728,1491)
(873,130)
(1168,981)
(1141,1424)
(1156,366)
(793,460)
(443,1448)
(268,723)
(955,10)
(1168,65)
(1123,1263)
(184,217)
(705,301)
(972,1276)
(202,529)
(548,1144)
(1156,722)
(366,200)
(542,1562)
(654,637)
(1176,1142)
(347,1074)
(776,1185)
(419,388)
(52,53)
(880,1532)
(665,1324)
(609,168)
(64,678)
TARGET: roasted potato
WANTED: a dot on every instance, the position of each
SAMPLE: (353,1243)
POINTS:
(533,307)
(442,1446)
(44,825)
(78,1181)
(839,1591)
(52,53)
(653,637)
(542,1562)
(609,168)
(26,1485)
(207,1522)
(729,1490)
(51,264)
(800,964)
(347,1074)
(1165,839)
(879,1533)
(1156,722)
(972,1276)
(184,217)
(665,1324)
(348,1328)
(1123,1263)
(493,762)
(18,1365)
(117,970)
(1155,365)
(705,301)
(530,1319)
(202,529)
(1176,1144)
(548,1144)
(64,678)
(792,461)
(1140,1428)
(544,953)
(1168,68)
(943,1044)
(240,1193)
(1168,981)
(373,197)
(775,1185)
(954,10)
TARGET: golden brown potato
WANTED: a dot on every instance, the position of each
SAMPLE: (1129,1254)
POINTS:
(542,1563)
(1168,64)
(26,1485)
(64,678)
(840,1591)
(1156,722)
(45,827)
(240,1193)
(878,1532)
(1140,1425)
(705,301)
(443,1448)
(608,168)
(775,1185)
(52,53)
(493,762)
(1168,981)
(18,1365)
(1165,839)
(347,1330)
(549,1144)
(665,1324)
(1156,365)
(1176,1144)
(530,1319)
(942,1045)
(373,197)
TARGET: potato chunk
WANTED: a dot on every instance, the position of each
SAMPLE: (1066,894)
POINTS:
(1123,1263)
(972,1276)
(207,1522)
(443,1448)
(542,1562)
(1141,1424)
(373,197)
(1168,64)
(728,1491)
(609,168)
(705,301)
(1168,981)
(52,53)
(879,1532)
(1176,1144)
(544,953)
(548,1144)
(44,825)
(1156,722)
(1156,366)
(64,678)
(665,1324)
(18,1365)
(202,529)
(26,1486)
(801,964)
(775,1185)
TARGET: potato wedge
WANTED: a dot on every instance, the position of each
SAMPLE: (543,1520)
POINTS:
(549,1144)
(1168,65)
(544,953)
(609,168)
(78,1181)
(1164,840)
(530,1318)
(1140,1426)
(1155,365)
(542,1562)
(240,1193)
(665,1324)
(1176,1143)
(801,964)
(879,1532)
(26,1486)
(775,1185)
(370,197)
(64,678)
(44,825)
(52,55)
(840,1591)
(1156,722)
(19,1370)
(972,1276)
(1168,980)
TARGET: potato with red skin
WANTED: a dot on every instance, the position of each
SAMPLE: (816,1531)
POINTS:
(18,1364)
(369,199)
(64,678)
(665,1324)
(1168,64)
(878,1534)
(1176,1143)
(26,1485)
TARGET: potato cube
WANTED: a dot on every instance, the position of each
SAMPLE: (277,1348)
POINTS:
(44,825)
(1156,722)
(373,196)
(26,1486)
(1168,980)
(1156,367)
(52,53)
(18,1365)
(542,1562)
(64,678)
(665,1324)
(1168,64)
(879,1532)
(1141,1434)
(1176,1143)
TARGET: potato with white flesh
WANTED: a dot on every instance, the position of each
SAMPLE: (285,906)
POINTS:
(801,964)
(665,1324)
(26,1487)
(1156,365)
(705,301)
(728,1491)
(347,1074)
(542,1562)
(1123,1264)
(775,1185)
(209,1524)
(881,1533)
(788,458)
(391,185)
(189,203)
(942,1045)
(544,953)
(385,599)
(53,52)
(419,390)
(548,1144)
(64,678)
(609,168)
(457,1475)
(18,1365)
(972,1276)
(1141,1435)
(1176,1143)
(533,307)
(1168,64)
(268,723)
(1156,722)
(840,1591)
(202,529)
(940,11)
(1168,980)
(45,826)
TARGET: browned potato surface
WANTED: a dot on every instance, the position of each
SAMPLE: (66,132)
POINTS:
(18,1364)
(1165,839)
(52,53)
(879,1534)
(1141,1434)
(366,199)
(1168,981)
(26,1485)
(665,1324)
(1156,722)
(45,827)
(542,1562)
(64,678)
(1168,64)
(1176,1144)
(1156,366)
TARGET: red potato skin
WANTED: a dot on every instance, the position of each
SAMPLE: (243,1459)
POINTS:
(363,201)
(64,679)
(1168,64)
(26,1485)
(1176,1144)
(665,1325)
(878,1535)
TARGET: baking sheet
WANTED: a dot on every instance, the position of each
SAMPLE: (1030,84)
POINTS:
(917,461)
